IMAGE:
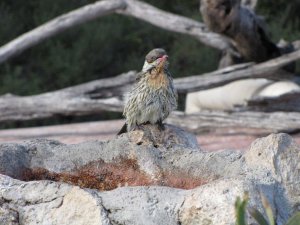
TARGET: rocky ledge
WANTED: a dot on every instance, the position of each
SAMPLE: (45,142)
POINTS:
(144,178)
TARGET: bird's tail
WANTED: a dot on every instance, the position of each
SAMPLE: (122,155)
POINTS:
(123,129)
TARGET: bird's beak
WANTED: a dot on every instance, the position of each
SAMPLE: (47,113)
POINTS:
(164,58)
(162,61)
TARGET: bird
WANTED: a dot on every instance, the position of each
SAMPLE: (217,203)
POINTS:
(153,96)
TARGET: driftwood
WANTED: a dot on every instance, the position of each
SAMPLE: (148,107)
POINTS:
(240,24)
(287,103)
(137,9)
(88,98)
(268,69)
(104,95)
(57,26)
(213,120)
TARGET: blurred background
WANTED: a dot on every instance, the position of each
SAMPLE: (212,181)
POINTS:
(109,46)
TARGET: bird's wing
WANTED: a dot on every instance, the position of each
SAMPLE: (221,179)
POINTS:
(173,88)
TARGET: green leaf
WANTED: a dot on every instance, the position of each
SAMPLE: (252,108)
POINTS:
(294,220)
(240,210)
(257,216)
(268,210)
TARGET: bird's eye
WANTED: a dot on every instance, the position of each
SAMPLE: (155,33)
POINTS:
(153,58)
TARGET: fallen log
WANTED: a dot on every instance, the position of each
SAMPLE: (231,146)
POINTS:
(89,98)
(268,69)
(286,103)
(288,122)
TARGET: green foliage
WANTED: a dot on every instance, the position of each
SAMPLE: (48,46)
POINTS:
(241,208)
(281,11)
(258,216)
(294,220)
(268,210)
(102,48)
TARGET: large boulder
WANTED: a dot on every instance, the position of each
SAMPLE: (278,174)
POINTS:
(134,179)
(47,202)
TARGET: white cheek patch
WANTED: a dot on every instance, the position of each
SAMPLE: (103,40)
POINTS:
(147,66)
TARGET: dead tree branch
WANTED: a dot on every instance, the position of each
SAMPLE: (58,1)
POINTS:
(240,24)
(58,25)
(104,95)
(286,103)
(175,23)
(213,120)
(137,9)
(268,69)
(88,98)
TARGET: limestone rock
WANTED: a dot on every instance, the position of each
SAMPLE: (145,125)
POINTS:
(276,159)
(47,202)
(176,183)
(214,203)
(8,215)
(14,159)
(170,137)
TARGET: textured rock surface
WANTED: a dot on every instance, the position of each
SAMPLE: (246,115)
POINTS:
(170,137)
(212,181)
(276,161)
(46,202)
(214,202)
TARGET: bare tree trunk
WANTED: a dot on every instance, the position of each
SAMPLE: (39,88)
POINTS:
(242,26)
(137,9)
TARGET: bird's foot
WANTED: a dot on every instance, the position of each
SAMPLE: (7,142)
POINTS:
(161,126)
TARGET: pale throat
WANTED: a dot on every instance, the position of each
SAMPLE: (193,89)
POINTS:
(158,78)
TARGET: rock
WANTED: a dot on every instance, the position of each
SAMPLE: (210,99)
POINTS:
(214,203)
(176,182)
(79,207)
(110,164)
(47,202)
(275,160)
(14,159)
(170,137)
(8,215)
(143,205)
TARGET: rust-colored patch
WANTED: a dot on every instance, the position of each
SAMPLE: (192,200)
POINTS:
(96,175)
(180,180)
(107,176)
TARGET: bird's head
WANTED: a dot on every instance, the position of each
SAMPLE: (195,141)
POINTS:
(156,58)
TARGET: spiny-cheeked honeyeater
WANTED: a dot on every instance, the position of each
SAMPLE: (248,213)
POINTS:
(153,96)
